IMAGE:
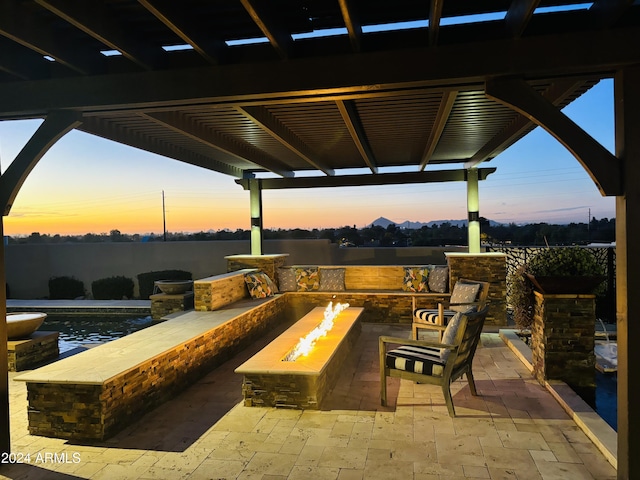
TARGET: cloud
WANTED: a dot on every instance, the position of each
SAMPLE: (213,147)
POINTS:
(566,209)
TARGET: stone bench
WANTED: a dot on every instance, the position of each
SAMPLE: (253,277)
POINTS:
(96,393)
(376,288)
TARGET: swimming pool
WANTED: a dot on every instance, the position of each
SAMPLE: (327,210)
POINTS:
(78,331)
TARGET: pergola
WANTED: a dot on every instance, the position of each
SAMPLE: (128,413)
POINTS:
(291,94)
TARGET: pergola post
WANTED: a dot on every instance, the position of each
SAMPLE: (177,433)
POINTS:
(5,437)
(627,123)
(255,198)
(473,209)
(55,126)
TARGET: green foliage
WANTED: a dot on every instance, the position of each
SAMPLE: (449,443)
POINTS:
(146,279)
(112,288)
(65,288)
(556,262)
(562,262)
(521,298)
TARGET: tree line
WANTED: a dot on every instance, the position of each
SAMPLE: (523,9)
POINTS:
(446,233)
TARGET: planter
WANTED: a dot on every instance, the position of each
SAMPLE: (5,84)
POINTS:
(22,325)
(174,287)
(566,284)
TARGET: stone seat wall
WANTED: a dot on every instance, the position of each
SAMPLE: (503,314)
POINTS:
(94,394)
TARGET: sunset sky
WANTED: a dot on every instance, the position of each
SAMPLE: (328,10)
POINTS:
(85,184)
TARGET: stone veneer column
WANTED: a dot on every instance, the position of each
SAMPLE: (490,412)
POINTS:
(269,264)
(563,338)
(487,267)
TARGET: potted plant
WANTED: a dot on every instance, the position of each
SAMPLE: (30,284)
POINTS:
(570,270)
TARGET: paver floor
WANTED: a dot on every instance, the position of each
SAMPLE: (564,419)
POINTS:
(513,430)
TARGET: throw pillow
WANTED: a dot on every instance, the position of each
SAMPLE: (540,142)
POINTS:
(307,279)
(415,279)
(439,279)
(260,285)
(449,335)
(463,294)
(332,279)
(287,280)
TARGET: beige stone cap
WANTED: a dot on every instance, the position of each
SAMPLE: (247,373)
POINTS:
(563,295)
(269,360)
(248,256)
(222,276)
(98,365)
(481,254)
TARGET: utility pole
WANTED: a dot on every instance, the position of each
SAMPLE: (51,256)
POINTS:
(164,219)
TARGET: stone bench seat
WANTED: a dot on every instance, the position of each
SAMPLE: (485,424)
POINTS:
(96,393)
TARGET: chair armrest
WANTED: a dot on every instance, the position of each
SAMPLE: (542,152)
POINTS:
(430,326)
(408,341)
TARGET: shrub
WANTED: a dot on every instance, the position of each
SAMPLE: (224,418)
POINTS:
(112,288)
(65,288)
(553,262)
(145,280)
(564,262)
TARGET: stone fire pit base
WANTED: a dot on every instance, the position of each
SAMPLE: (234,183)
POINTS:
(303,384)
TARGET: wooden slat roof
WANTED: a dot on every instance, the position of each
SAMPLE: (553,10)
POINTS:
(361,98)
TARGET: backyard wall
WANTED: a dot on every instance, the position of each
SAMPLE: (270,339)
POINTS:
(29,267)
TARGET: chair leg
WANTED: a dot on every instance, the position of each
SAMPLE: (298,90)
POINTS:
(446,390)
(472,383)
(383,373)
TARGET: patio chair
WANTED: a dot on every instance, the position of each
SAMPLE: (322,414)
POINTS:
(466,293)
(431,362)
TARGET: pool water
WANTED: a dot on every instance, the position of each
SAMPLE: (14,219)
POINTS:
(92,330)
(607,398)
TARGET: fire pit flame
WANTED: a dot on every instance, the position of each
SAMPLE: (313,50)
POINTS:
(305,345)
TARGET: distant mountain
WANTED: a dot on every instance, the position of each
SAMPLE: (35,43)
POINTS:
(385,222)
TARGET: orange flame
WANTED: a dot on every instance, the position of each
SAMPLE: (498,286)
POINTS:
(306,344)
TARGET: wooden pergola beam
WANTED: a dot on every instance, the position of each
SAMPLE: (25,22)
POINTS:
(601,165)
(56,125)
(213,139)
(354,125)
(434,176)
(444,110)
(352,22)
(519,15)
(267,122)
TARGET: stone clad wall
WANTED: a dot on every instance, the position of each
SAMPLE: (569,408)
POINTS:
(80,411)
(563,339)
(379,307)
(486,267)
(214,292)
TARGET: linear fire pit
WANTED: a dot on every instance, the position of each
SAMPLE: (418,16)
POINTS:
(272,381)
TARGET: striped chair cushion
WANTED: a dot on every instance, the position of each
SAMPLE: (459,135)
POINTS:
(416,359)
(430,315)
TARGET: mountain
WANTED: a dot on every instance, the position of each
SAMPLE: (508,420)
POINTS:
(385,222)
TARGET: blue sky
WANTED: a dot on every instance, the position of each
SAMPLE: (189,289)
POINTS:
(88,184)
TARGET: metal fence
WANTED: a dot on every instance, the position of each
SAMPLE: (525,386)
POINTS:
(606,257)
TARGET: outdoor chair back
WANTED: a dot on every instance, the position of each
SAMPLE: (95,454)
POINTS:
(465,294)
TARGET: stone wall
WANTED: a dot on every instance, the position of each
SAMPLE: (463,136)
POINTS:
(26,354)
(80,411)
(163,304)
(379,307)
(563,339)
(269,264)
(214,292)
(486,267)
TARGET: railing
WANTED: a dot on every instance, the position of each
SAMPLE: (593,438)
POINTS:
(606,257)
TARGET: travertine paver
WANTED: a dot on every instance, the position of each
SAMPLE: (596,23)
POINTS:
(514,430)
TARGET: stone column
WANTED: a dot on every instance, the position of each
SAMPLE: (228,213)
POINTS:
(563,339)
(269,264)
(487,267)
